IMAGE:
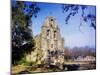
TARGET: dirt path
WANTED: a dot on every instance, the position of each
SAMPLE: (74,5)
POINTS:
(17,69)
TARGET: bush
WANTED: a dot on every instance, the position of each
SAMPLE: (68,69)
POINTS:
(23,61)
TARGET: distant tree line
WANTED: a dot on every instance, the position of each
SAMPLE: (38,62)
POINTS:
(75,52)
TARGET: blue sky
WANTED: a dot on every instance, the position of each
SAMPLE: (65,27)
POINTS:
(70,32)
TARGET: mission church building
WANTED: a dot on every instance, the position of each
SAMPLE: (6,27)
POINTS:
(50,42)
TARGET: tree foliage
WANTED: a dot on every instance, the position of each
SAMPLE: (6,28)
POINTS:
(22,39)
(74,9)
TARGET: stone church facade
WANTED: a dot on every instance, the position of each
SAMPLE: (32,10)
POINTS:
(50,42)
